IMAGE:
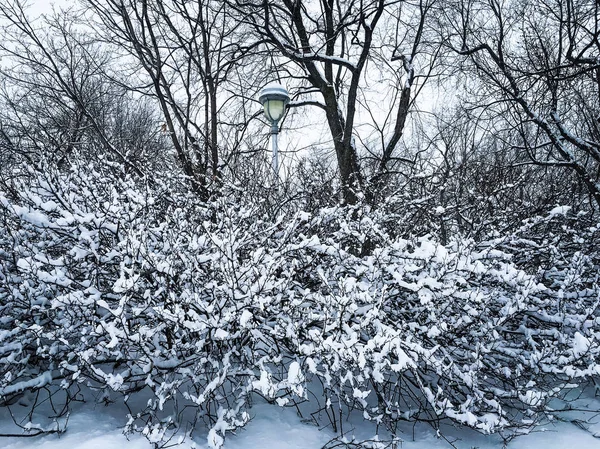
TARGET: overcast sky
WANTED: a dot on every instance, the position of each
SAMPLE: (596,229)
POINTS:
(44,6)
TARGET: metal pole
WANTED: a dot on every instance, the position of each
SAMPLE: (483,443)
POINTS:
(274,132)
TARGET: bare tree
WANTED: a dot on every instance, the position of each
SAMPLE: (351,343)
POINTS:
(537,68)
(336,47)
(182,54)
(54,95)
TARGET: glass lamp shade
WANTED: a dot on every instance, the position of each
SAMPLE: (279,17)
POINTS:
(274,109)
(274,99)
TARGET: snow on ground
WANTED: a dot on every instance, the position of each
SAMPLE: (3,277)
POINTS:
(98,427)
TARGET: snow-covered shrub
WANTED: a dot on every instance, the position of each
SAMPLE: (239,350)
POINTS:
(420,331)
(134,289)
(100,286)
(186,310)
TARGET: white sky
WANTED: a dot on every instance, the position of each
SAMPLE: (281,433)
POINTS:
(45,6)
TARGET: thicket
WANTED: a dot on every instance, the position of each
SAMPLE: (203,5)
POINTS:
(140,290)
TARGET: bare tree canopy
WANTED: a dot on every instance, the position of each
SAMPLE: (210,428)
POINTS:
(537,69)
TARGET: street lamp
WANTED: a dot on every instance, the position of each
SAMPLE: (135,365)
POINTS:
(274,99)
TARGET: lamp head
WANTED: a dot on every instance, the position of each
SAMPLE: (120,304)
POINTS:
(274,99)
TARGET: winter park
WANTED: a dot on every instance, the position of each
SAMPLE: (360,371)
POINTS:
(300,224)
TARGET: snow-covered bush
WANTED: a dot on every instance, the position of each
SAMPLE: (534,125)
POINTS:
(140,291)
(430,331)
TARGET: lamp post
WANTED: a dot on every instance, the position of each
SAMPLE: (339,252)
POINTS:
(274,99)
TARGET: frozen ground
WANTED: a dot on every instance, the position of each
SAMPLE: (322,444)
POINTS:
(97,427)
